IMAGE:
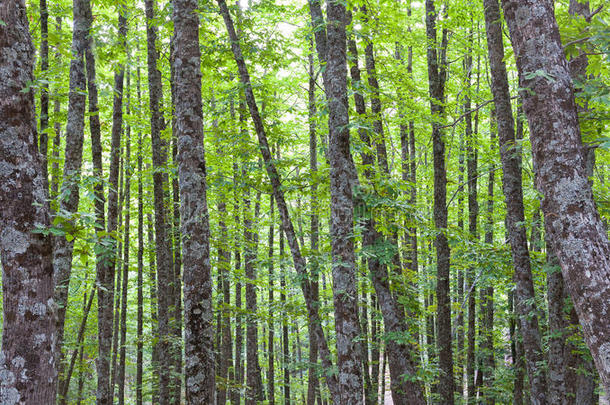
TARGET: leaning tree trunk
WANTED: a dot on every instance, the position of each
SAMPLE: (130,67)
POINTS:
(27,358)
(513,194)
(573,225)
(278,194)
(199,356)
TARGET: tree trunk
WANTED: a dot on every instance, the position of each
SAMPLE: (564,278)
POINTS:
(165,277)
(107,269)
(270,323)
(250,255)
(437,75)
(285,342)
(239,334)
(195,230)
(152,279)
(140,280)
(577,236)
(513,194)
(64,244)
(487,293)
(176,301)
(224,269)
(44,91)
(127,191)
(28,355)
(313,383)
(342,172)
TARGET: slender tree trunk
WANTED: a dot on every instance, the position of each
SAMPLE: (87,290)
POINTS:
(437,76)
(195,230)
(487,293)
(118,285)
(127,190)
(285,343)
(239,334)
(152,278)
(250,254)
(107,269)
(44,91)
(65,384)
(28,354)
(64,244)
(313,383)
(473,212)
(270,323)
(165,277)
(224,269)
(55,174)
(140,280)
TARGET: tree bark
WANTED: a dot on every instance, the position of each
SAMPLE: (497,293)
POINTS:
(250,256)
(513,194)
(28,354)
(127,190)
(165,277)
(140,280)
(342,173)
(154,324)
(270,323)
(313,383)
(437,75)
(44,91)
(199,357)
(285,341)
(224,269)
(577,235)
(239,334)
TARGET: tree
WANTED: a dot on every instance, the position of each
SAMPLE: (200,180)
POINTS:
(28,354)
(437,75)
(193,207)
(513,194)
(577,235)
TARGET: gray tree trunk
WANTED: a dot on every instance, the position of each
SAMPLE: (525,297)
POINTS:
(28,354)
(513,194)
(199,356)
(63,248)
(577,234)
